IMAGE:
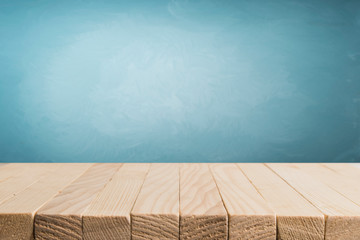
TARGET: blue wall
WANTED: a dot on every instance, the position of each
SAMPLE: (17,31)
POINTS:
(180,80)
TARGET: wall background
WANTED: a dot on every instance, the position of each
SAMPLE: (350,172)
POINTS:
(195,80)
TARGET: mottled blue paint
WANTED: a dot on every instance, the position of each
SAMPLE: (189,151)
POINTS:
(208,80)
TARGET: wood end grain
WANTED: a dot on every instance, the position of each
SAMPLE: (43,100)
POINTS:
(301,227)
(203,227)
(342,228)
(154,226)
(56,226)
(248,227)
(16,226)
(106,227)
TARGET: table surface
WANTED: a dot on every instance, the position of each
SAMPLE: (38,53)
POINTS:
(180,201)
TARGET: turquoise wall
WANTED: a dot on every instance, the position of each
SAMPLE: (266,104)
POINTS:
(195,80)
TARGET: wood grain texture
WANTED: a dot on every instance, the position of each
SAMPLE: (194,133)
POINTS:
(194,201)
(250,217)
(202,213)
(343,216)
(14,169)
(61,218)
(156,211)
(16,177)
(346,170)
(17,213)
(108,216)
(296,217)
(343,184)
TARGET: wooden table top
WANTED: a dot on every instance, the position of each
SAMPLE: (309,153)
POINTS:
(180,201)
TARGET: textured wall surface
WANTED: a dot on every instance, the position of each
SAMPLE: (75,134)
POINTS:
(195,80)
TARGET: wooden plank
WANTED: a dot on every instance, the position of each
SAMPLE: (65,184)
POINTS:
(17,213)
(156,211)
(108,216)
(250,217)
(344,169)
(344,185)
(17,169)
(61,218)
(17,177)
(343,216)
(296,217)
(202,213)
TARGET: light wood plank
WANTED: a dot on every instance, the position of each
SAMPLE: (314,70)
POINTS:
(156,211)
(17,177)
(296,217)
(12,169)
(343,216)
(17,169)
(250,217)
(108,216)
(61,218)
(344,169)
(17,213)
(344,185)
(203,215)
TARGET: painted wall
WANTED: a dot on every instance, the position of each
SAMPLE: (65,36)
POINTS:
(195,80)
